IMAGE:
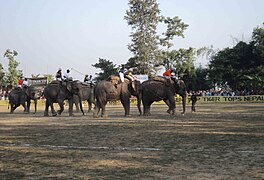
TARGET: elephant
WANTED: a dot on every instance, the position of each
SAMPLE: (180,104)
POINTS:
(112,89)
(33,93)
(23,96)
(57,92)
(162,89)
(87,94)
(17,97)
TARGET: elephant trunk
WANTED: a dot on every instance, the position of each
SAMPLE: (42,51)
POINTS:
(80,100)
(139,97)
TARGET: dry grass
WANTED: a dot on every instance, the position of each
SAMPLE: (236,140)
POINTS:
(220,141)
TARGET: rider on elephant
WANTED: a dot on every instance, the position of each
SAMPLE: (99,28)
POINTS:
(170,73)
(58,75)
(88,80)
(67,76)
(20,82)
(25,83)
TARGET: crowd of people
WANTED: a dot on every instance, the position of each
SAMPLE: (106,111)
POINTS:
(227,92)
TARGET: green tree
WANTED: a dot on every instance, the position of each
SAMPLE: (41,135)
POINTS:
(13,73)
(35,75)
(175,27)
(2,76)
(107,67)
(241,66)
(200,80)
(182,60)
(50,77)
(258,43)
(143,17)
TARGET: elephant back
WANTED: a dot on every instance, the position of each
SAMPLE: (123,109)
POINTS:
(162,79)
(54,82)
(16,95)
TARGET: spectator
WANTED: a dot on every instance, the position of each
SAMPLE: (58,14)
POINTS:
(194,100)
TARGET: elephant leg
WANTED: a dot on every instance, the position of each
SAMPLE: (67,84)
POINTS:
(77,106)
(101,103)
(71,107)
(35,103)
(126,104)
(103,112)
(25,107)
(28,105)
(96,109)
(53,112)
(171,104)
(146,108)
(13,107)
(61,104)
(46,111)
(89,106)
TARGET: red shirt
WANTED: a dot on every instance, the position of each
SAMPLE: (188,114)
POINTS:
(20,82)
(167,73)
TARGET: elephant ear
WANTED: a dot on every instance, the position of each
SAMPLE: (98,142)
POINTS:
(181,84)
(133,85)
(69,86)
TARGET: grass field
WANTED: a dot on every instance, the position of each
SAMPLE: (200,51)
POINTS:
(219,141)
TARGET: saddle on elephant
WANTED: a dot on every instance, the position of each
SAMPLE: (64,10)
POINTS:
(87,85)
(162,79)
(116,80)
(55,82)
(18,90)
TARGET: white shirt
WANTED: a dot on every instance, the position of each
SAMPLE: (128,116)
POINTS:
(25,83)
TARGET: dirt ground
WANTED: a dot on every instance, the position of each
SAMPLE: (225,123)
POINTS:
(219,141)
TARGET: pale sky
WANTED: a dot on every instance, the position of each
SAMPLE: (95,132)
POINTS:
(52,34)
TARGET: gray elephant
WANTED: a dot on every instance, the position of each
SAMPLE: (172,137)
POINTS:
(23,96)
(111,89)
(57,92)
(87,94)
(17,97)
(161,89)
(33,93)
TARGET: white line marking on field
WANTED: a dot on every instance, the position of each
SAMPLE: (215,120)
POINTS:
(84,147)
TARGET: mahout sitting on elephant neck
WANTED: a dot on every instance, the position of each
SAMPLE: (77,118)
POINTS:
(163,79)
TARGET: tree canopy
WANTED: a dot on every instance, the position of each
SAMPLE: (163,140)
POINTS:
(144,16)
(13,73)
(241,66)
(107,67)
